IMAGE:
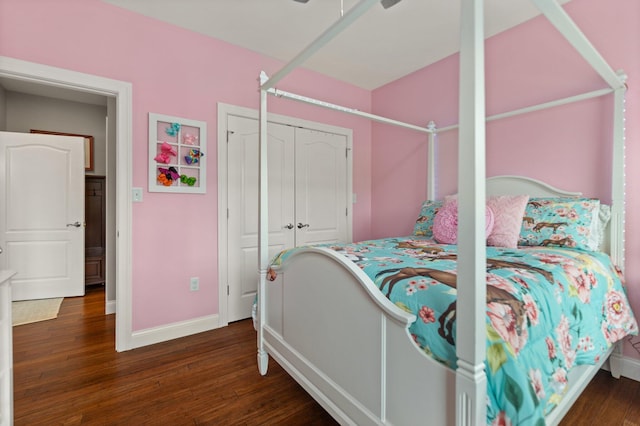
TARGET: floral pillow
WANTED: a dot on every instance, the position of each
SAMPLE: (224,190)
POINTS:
(424,224)
(567,222)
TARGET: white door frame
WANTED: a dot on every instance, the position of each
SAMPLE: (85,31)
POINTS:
(223,111)
(122,92)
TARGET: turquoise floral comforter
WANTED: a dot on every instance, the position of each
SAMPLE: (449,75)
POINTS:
(548,310)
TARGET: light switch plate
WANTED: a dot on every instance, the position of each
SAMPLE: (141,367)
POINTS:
(136,193)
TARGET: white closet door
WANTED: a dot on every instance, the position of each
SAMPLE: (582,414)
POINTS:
(242,192)
(321,187)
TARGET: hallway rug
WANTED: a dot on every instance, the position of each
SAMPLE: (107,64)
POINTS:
(29,311)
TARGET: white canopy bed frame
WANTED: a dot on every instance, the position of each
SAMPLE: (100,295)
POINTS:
(365,385)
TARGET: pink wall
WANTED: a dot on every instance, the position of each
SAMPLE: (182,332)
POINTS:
(176,72)
(567,146)
(184,74)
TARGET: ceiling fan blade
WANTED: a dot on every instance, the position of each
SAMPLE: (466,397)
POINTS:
(385,3)
(388,3)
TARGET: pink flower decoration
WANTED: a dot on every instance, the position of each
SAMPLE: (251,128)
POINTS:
(503,321)
(535,377)
(427,315)
(616,309)
(501,420)
(551,348)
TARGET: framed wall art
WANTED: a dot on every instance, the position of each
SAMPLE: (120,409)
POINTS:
(176,150)
(88,146)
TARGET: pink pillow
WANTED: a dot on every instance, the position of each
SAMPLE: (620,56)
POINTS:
(508,211)
(445,223)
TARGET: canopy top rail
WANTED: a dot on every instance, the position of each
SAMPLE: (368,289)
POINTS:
(550,8)
(431,127)
(340,25)
(538,107)
(563,23)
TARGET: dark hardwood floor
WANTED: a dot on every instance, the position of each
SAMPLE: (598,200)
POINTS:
(67,372)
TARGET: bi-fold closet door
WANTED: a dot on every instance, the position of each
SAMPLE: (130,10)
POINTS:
(307,198)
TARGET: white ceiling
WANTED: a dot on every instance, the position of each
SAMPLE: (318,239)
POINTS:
(380,47)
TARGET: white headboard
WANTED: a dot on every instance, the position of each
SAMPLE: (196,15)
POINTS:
(519,185)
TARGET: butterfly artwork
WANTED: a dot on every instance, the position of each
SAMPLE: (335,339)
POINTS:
(189,180)
(190,139)
(165,154)
(173,129)
(193,156)
(168,176)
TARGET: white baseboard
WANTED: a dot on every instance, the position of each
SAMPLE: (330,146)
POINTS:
(110,307)
(176,330)
(629,368)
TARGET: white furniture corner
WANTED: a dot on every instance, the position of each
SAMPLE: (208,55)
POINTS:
(6,350)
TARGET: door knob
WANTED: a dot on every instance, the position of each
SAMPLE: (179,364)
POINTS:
(302,225)
(289,226)
(75,224)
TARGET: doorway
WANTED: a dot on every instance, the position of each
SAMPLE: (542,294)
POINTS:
(119,154)
(95,231)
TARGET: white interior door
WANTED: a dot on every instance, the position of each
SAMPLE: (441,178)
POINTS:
(42,214)
(242,215)
(321,187)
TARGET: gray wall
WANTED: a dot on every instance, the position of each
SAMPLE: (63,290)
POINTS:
(111,204)
(3,109)
(25,112)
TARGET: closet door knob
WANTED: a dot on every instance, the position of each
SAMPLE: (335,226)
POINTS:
(302,225)
(289,226)
(75,224)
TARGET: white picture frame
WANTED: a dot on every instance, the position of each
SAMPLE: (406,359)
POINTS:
(177,148)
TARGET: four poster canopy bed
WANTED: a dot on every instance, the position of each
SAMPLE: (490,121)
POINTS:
(498,309)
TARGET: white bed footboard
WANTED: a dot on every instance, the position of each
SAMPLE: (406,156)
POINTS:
(331,328)
(336,334)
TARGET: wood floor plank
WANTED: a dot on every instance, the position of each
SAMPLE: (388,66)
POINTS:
(67,372)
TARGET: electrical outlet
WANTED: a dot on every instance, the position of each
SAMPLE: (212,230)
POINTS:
(194,284)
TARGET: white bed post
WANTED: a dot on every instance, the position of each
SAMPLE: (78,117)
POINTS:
(267,83)
(471,380)
(431,162)
(263,225)
(618,176)
(559,18)
(618,195)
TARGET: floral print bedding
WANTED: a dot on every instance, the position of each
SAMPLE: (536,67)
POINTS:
(548,310)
